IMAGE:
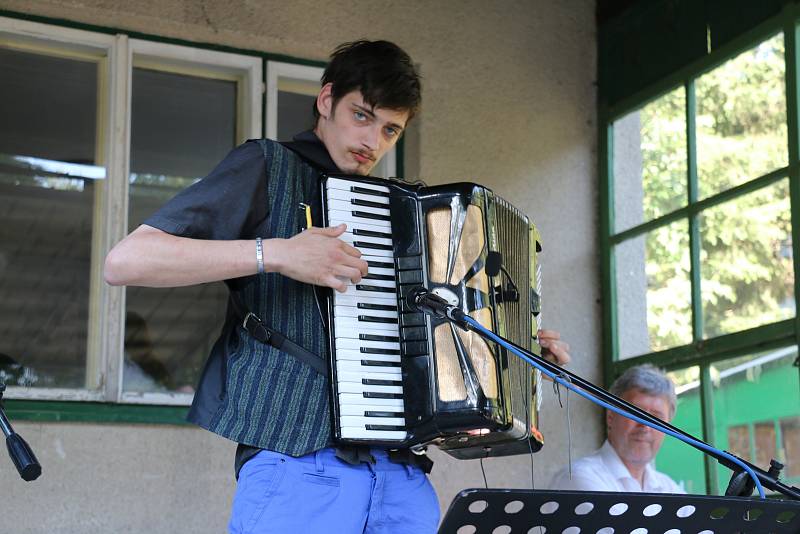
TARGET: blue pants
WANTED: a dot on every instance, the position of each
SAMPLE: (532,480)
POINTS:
(318,493)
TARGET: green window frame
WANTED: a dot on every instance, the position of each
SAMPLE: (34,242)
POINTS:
(701,352)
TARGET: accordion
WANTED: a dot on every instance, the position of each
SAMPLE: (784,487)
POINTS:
(400,378)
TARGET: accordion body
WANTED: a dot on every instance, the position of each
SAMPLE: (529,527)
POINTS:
(400,378)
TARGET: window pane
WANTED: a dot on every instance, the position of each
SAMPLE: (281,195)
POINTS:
(790,447)
(654,291)
(746,262)
(680,461)
(741,118)
(756,392)
(650,173)
(48,183)
(295,114)
(182,126)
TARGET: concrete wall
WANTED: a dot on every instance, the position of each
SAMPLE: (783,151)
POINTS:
(509,102)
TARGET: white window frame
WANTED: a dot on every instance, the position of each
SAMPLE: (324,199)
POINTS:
(117,55)
(295,78)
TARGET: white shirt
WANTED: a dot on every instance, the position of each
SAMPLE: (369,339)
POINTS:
(604,471)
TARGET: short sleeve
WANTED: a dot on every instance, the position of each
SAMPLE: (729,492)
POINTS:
(227,204)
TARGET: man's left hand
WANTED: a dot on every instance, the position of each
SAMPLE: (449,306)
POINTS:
(553,349)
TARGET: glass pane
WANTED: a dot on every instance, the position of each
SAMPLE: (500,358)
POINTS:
(654,291)
(790,446)
(295,114)
(746,261)
(48,184)
(169,332)
(741,118)
(755,398)
(680,461)
(650,171)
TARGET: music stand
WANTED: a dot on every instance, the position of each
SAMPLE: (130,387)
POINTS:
(516,511)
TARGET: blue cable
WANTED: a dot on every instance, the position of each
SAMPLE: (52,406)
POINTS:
(585,394)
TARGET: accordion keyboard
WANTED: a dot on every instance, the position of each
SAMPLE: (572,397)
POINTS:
(368,374)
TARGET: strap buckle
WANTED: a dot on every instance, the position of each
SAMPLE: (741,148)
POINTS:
(256,328)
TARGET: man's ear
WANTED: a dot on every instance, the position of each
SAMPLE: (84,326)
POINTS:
(325,101)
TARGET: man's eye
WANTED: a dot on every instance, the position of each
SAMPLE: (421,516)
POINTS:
(392,132)
(359,116)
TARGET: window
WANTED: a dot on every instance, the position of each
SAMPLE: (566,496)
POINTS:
(700,257)
(98,131)
(291,94)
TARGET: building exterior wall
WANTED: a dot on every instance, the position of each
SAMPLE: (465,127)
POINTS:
(509,102)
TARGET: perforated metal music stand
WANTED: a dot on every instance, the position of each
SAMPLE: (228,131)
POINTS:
(510,511)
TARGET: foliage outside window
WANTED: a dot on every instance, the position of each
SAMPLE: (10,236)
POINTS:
(702,253)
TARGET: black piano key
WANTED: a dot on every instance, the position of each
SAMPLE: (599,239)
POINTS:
(372,233)
(374,289)
(367,191)
(373,337)
(378,382)
(378,363)
(368,203)
(386,277)
(377,395)
(384,427)
(381,264)
(376,350)
(371,319)
(368,215)
(372,413)
(374,246)
(370,306)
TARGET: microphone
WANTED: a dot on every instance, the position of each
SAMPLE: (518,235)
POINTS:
(420,299)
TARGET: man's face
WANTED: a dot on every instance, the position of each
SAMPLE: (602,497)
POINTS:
(356,134)
(637,444)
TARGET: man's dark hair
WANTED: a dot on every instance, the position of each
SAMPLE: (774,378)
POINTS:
(381,70)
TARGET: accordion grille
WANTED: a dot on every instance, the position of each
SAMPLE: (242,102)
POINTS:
(452,345)
(513,235)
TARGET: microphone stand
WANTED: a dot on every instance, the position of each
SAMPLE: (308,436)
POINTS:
(741,484)
(21,454)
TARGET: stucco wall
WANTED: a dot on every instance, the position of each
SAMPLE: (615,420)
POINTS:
(509,102)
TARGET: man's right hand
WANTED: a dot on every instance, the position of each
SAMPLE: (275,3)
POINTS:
(316,256)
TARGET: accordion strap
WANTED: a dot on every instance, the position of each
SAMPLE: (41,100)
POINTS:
(263,333)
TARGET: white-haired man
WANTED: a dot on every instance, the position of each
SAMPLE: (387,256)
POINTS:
(624,462)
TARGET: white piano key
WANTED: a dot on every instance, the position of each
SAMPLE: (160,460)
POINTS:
(358,376)
(355,420)
(353,311)
(349,237)
(380,283)
(339,183)
(356,399)
(355,387)
(342,299)
(352,327)
(357,344)
(341,194)
(336,217)
(335,204)
(387,296)
(383,435)
(361,410)
(354,366)
(356,355)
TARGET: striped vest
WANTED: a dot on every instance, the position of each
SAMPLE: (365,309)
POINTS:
(271,400)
